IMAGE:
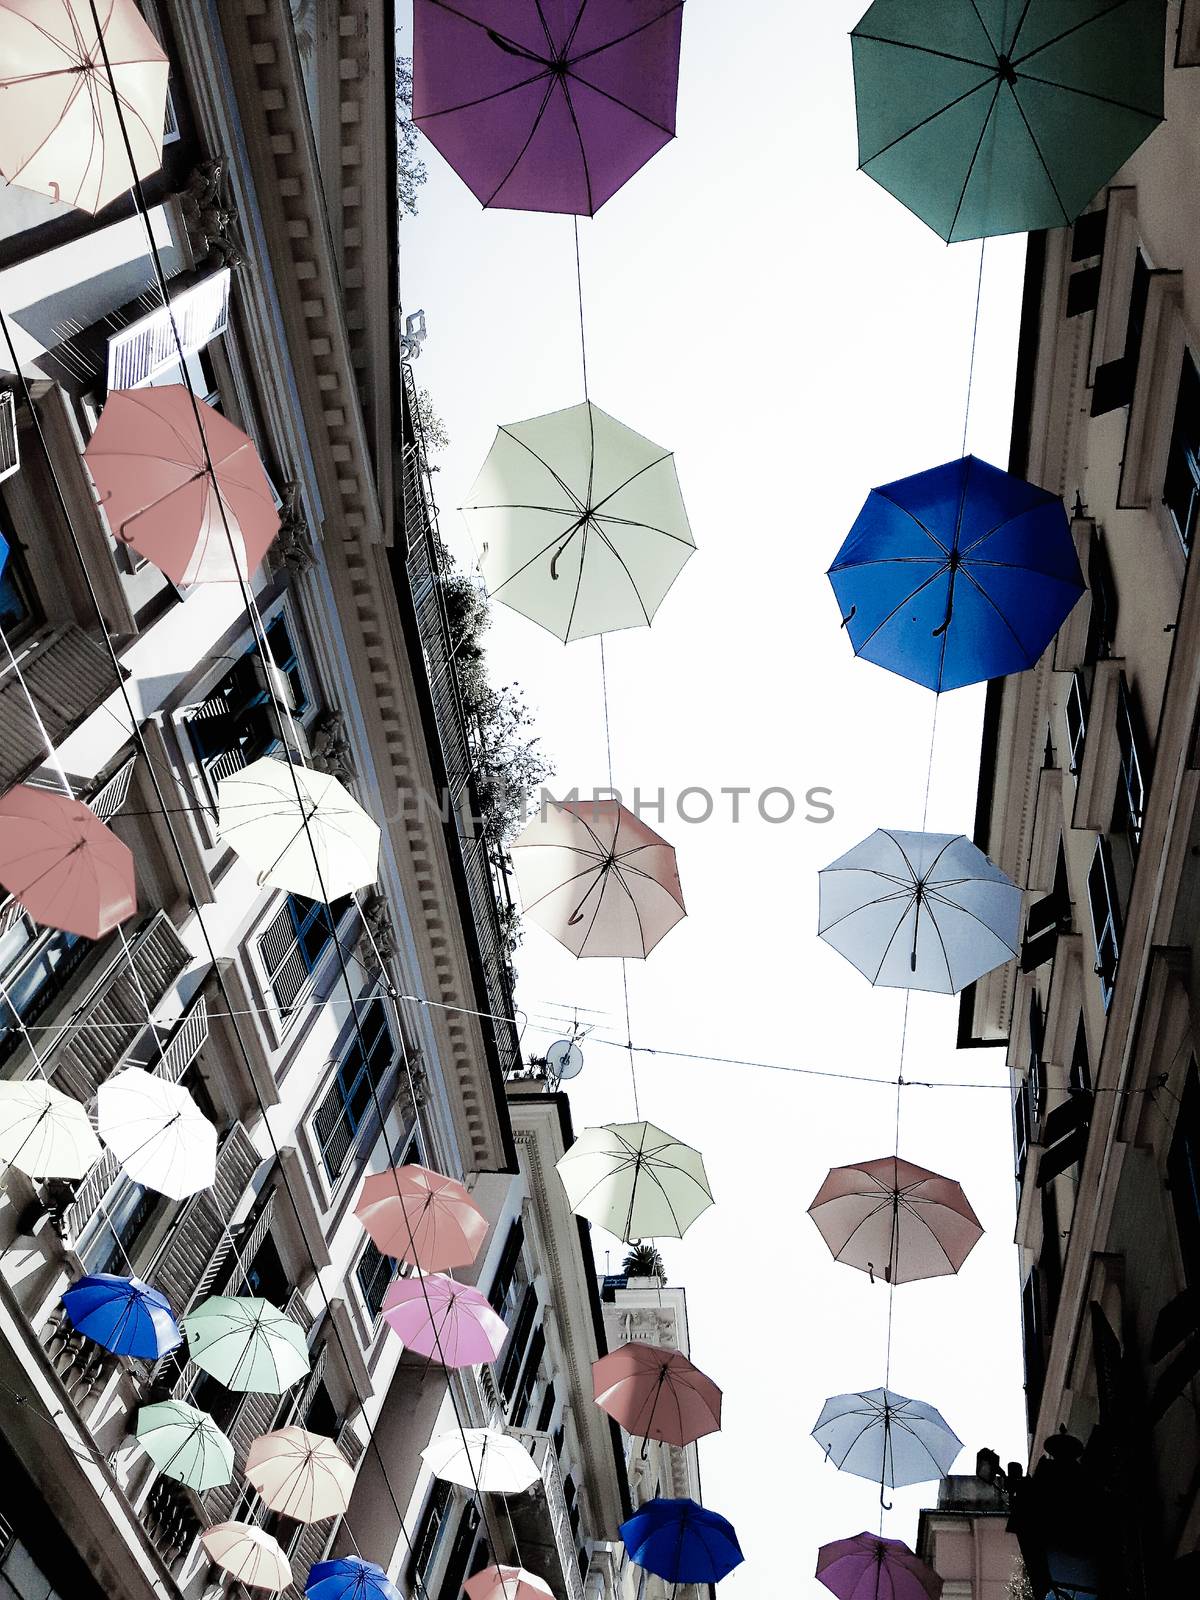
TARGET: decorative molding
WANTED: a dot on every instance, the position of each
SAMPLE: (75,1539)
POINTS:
(209,218)
(293,551)
(331,753)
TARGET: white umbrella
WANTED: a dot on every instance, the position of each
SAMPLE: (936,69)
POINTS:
(158,1133)
(919,910)
(482,1457)
(321,845)
(248,1554)
(579,521)
(43,1132)
(886,1437)
(635,1180)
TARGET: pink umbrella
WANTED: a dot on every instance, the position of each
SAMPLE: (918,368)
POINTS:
(148,463)
(446,1321)
(895,1220)
(597,878)
(869,1567)
(59,860)
(656,1394)
(507,1583)
(421,1217)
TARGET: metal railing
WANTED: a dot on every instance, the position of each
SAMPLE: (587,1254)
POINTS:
(541,1448)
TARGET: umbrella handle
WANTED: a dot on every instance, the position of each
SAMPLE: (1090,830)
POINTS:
(886,1504)
(849,617)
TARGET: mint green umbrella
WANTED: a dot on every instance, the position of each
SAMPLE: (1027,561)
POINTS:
(185,1444)
(246,1344)
(997,116)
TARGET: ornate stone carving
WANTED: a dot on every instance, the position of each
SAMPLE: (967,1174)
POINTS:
(209,218)
(377,940)
(293,550)
(331,750)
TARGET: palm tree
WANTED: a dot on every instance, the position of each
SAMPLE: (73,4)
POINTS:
(643,1261)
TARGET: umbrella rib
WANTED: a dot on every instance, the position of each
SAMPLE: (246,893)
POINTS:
(1038,150)
(1065,34)
(546,25)
(620,877)
(667,455)
(617,101)
(932,117)
(892,939)
(991,42)
(1090,94)
(624,568)
(925,50)
(587,179)
(648,527)
(912,515)
(954,905)
(609,44)
(950,234)
(561,482)
(520,156)
(900,605)
(583,533)
(975,584)
(484,99)
(945,953)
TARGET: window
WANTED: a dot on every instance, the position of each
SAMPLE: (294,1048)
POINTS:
(1116,380)
(1065,1137)
(529,1377)
(517,1339)
(1048,918)
(547,1411)
(1022,1128)
(1102,626)
(1181,487)
(265,1275)
(145,348)
(1076,715)
(293,944)
(1050,1256)
(1032,1339)
(460,1554)
(375,1272)
(1106,917)
(1037,1067)
(1130,811)
(1183,1176)
(238,722)
(429,1533)
(35,964)
(350,1100)
(21,1578)
(118,1227)
(500,1293)
(1080,1072)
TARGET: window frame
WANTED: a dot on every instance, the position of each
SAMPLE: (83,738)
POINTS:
(1106,929)
(1183,1175)
(363,1072)
(1189,448)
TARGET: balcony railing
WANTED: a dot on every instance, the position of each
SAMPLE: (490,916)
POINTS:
(66,674)
(552,1516)
(199,1244)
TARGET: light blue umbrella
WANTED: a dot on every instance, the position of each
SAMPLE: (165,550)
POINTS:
(886,1437)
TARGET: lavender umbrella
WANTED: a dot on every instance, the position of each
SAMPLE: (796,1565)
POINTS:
(870,1567)
(546,105)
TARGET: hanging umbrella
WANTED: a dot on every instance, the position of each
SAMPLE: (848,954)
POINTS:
(445,1321)
(597,878)
(919,910)
(656,1394)
(248,1554)
(482,1458)
(870,1567)
(322,844)
(680,1542)
(635,1180)
(989,118)
(507,1583)
(185,1444)
(60,861)
(157,1132)
(886,1437)
(125,1315)
(303,1476)
(246,1344)
(580,522)
(60,133)
(418,1216)
(546,107)
(43,1132)
(957,574)
(895,1220)
(349,1578)
(149,464)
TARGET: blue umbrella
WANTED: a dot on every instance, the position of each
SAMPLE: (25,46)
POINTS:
(349,1578)
(125,1315)
(957,574)
(681,1542)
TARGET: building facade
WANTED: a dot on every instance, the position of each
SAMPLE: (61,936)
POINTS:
(1088,799)
(966,1539)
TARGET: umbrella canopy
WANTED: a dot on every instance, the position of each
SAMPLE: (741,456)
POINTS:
(895,1220)
(507,1583)
(483,1458)
(320,844)
(999,117)
(444,1321)
(546,107)
(185,1444)
(635,1180)
(43,1132)
(248,1554)
(919,910)
(579,522)
(597,878)
(301,1475)
(59,860)
(125,1315)
(957,574)
(870,1567)
(681,1542)
(418,1216)
(148,462)
(349,1578)
(886,1437)
(246,1344)
(656,1393)
(157,1132)
(60,133)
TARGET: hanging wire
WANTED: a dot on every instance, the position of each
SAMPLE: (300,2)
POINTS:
(974,340)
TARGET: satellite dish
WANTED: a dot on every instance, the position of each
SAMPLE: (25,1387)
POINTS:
(564,1059)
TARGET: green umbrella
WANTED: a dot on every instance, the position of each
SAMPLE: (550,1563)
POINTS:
(246,1344)
(185,1444)
(997,116)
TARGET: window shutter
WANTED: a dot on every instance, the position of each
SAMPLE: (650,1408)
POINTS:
(10,449)
(529,1372)
(1104,595)
(283,959)
(1177,1329)
(1087,236)
(1116,380)
(1083,291)
(145,347)
(67,676)
(332,1129)
(1042,927)
(1064,1137)
(508,1264)
(425,1542)
(1102,903)
(516,1341)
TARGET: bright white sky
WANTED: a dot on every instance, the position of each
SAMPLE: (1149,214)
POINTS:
(795,336)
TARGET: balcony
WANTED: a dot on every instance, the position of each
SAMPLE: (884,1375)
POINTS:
(542,1521)
(199,1243)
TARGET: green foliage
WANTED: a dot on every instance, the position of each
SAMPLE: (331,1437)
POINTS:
(410,169)
(431,429)
(644,1261)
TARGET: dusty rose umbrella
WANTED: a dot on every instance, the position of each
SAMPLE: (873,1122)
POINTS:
(597,878)
(895,1220)
(870,1567)
(446,1321)
(60,134)
(63,864)
(656,1394)
(248,1554)
(301,1475)
(421,1217)
(148,463)
(507,1583)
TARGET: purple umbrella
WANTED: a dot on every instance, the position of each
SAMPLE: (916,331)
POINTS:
(870,1567)
(546,105)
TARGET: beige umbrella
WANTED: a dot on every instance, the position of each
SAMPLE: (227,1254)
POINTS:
(301,1475)
(60,133)
(597,878)
(248,1554)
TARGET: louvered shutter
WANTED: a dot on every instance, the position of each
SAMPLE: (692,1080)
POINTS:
(1064,1137)
(508,1264)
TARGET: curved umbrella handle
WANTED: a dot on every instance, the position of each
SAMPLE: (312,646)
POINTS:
(886,1504)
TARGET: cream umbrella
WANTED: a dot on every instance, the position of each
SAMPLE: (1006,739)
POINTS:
(321,844)
(185,1443)
(248,1554)
(43,1132)
(301,1475)
(246,1343)
(483,1458)
(579,522)
(158,1133)
(635,1180)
